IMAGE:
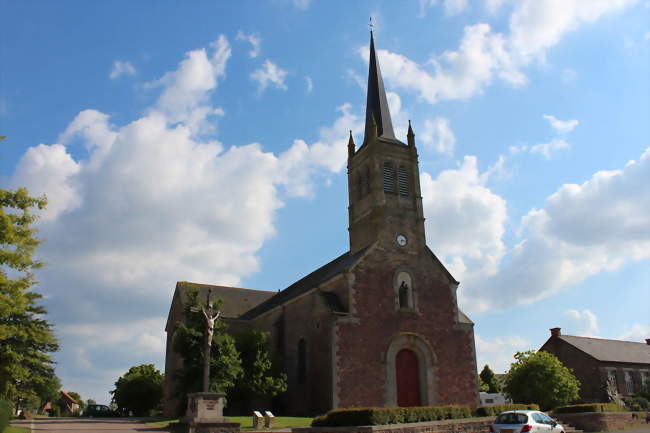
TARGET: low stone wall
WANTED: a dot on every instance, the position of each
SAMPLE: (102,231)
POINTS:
(467,425)
(599,421)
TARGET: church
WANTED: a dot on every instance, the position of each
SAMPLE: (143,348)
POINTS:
(380,324)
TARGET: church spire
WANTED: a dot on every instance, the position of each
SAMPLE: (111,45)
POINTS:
(377,104)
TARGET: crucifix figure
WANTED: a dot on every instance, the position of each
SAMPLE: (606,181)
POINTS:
(211,317)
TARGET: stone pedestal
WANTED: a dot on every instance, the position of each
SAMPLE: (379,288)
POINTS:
(205,415)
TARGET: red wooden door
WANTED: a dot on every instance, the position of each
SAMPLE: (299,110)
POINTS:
(408,378)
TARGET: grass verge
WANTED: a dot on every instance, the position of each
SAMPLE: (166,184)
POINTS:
(12,429)
(280,422)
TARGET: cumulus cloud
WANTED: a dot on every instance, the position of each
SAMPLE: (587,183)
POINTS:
(582,230)
(637,332)
(499,352)
(584,322)
(561,126)
(484,55)
(252,39)
(464,221)
(269,73)
(121,68)
(547,149)
(438,136)
(141,205)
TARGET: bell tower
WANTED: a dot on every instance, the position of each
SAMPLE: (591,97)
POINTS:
(385,202)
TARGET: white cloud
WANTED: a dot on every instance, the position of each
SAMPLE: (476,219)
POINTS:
(121,68)
(464,221)
(499,352)
(569,75)
(561,126)
(582,230)
(451,7)
(252,39)
(437,135)
(310,84)
(547,149)
(535,26)
(493,6)
(302,4)
(270,73)
(637,332)
(584,323)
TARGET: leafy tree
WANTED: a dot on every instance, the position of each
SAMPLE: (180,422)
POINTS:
(140,390)
(261,376)
(90,401)
(482,386)
(26,338)
(539,377)
(490,379)
(189,339)
(78,399)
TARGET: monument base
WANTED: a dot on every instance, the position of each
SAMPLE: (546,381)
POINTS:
(205,415)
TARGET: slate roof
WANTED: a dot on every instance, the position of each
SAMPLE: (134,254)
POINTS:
(611,350)
(319,276)
(236,301)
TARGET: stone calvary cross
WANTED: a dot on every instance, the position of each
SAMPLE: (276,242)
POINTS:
(211,316)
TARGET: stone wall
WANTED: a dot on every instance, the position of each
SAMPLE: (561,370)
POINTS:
(600,421)
(469,425)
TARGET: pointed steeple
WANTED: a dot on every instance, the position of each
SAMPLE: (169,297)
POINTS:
(351,145)
(377,104)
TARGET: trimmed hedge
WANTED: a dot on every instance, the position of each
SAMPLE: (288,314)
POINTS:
(5,414)
(589,407)
(389,415)
(497,409)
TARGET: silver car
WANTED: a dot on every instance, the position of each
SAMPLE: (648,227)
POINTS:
(522,421)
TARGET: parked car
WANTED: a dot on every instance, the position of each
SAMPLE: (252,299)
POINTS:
(522,421)
(100,411)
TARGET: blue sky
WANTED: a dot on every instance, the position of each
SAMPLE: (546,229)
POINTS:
(205,141)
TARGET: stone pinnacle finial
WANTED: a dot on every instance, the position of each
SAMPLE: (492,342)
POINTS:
(410,135)
(351,145)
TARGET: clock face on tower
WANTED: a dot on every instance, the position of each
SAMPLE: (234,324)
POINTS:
(401,240)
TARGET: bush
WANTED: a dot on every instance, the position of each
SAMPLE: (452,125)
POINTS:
(589,407)
(636,403)
(497,409)
(5,414)
(389,415)
(55,411)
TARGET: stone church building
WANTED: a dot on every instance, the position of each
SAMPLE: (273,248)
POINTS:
(380,324)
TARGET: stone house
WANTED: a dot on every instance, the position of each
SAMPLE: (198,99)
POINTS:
(595,361)
(380,324)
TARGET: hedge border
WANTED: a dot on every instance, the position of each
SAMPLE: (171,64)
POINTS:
(391,415)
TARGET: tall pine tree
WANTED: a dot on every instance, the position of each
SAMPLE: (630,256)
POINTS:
(26,338)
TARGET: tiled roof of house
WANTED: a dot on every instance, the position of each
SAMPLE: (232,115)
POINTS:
(319,276)
(236,301)
(611,350)
(67,397)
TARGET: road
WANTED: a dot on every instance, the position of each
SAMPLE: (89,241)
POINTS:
(85,425)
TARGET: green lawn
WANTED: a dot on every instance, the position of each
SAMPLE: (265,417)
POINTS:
(247,422)
(12,429)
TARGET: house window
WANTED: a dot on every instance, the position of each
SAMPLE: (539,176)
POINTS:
(302,360)
(629,382)
(403,180)
(612,383)
(389,177)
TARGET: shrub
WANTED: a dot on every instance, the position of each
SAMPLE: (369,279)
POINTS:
(589,407)
(5,414)
(497,409)
(55,411)
(389,415)
(636,403)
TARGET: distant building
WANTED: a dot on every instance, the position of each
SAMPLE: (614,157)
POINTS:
(67,403)
(595,361)
(380,324)
(492,399)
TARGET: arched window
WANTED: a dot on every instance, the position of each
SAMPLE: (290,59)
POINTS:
(404,289)
(389,177)
(403,179)
(302,360)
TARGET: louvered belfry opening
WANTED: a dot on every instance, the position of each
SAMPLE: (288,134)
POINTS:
(389,177)
(403,179)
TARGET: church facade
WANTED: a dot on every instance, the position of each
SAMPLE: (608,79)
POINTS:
(380,324)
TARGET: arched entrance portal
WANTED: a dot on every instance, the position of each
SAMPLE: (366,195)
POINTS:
(407,372)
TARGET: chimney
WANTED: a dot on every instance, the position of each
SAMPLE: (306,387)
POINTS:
(647,341)
(555,332)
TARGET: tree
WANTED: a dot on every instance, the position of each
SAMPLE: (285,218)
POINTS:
(189,339)
(78,399)
(140,390)
(490,379)
(90,401)
(26,338)
(539,377)
(482,386)
(261,376)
